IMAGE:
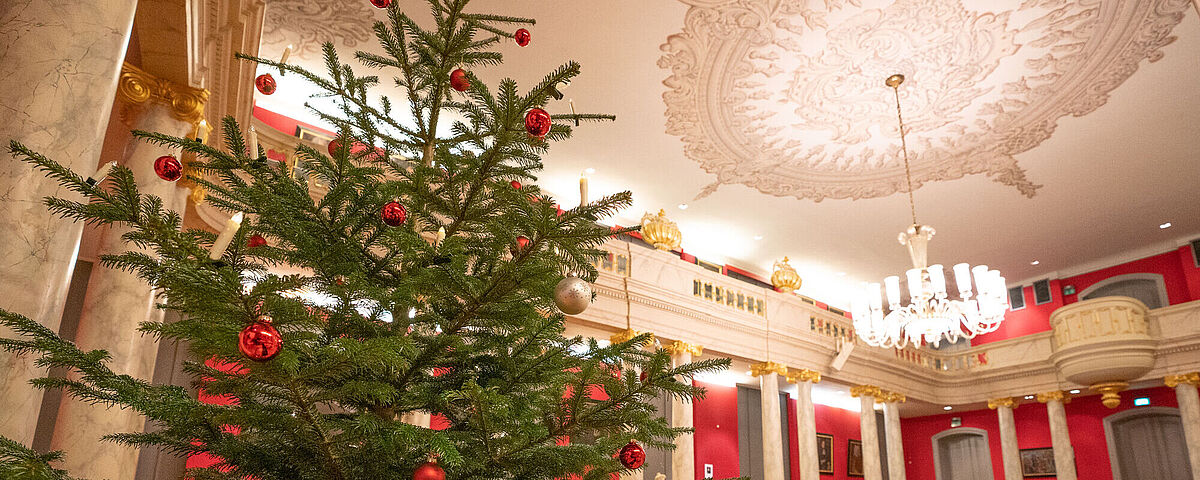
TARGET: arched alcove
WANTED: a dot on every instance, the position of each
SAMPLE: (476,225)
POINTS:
(1147,287)
(1147,443)
(962,454)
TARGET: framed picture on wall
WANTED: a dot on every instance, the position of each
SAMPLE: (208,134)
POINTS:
(825,453)
(1037,462)
(854,457)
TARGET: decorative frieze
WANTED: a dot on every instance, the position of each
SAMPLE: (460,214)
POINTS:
(729,297)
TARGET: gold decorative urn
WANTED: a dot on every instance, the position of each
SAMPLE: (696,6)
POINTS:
(660,231)
(785,278)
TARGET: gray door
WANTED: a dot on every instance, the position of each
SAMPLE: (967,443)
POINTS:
(962,454)
(1148,446)
(750,451)
(659,460)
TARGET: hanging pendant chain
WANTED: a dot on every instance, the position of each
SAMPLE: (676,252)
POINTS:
(904,147)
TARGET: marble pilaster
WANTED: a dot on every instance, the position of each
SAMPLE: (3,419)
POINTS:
(118,301)
(806,422)
(683,458)
(1060,438)
(1008,436)
(872,469)
(61,61)
(772,437)
(1189,412)
(895,442)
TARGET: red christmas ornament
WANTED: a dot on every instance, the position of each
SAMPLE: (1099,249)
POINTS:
(429,471)
(522,37)
(459,80)
(393,213)
(537,122)
(334,145)
(256,240)
(515,184)
(265,84)
(168,168)
(260,341)
(643,377)
(632,455)
(522,242)
(381,3)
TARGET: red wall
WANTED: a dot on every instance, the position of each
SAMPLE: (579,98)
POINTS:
(1085,422)
(716,421)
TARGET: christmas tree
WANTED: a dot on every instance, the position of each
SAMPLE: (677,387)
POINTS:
(436,260)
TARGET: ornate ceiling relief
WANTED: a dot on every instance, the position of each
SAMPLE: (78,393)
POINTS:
(306,24)
(787,96)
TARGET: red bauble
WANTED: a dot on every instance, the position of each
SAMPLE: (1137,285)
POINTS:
(265,84)
(522,37)
(537,122)
(459,80)
(168,168)
(515,184)
(256,240)
(632,455)
(522,242)
(429,471)
(393,213)
(381,3)
(643,377)
(260,341)
(334,145)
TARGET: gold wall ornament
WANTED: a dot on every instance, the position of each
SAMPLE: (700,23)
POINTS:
(136,87)
(763,368)
(1192,379)
(1010,402)
(678,347)
(627,335)
(865,390)
(804,375)
(785,277)
(1059,395)
(1110,392)
(890,397)
(660,231)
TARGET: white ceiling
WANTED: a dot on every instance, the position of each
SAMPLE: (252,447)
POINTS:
(1107,179)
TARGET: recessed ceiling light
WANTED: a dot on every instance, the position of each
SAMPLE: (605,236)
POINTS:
(947,407)
(1035,262)
(1029,397)
(683,206)
(758,237)
(749,373)
(589,170)
(1164,225)
(1073,392)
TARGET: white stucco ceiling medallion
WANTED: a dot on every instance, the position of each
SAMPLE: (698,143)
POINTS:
(787,96)
(307,24)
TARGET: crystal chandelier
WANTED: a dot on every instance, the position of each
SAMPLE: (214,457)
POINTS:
(930,314)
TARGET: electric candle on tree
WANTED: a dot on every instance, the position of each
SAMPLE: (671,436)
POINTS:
(253,143)
(582,190)
(226,236)
(101,173)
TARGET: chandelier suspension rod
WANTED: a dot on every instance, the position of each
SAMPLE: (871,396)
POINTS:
(894,81)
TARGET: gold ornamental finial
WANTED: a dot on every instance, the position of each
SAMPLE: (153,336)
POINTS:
(785,277)
(660,231)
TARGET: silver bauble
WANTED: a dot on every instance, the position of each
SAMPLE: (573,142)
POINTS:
(572,295)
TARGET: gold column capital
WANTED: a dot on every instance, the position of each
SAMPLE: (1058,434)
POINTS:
(136,87)
(804,375)
(678,347)
(1059,395)
(760,369)
(627,335)
(1008,402)
(866,391)
(1192,379)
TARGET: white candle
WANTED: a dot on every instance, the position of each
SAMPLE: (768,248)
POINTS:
(583,190)
(226,236)
(572,102)
(202,131)
(441,235)
(253,143)
(101,173)
(287,52)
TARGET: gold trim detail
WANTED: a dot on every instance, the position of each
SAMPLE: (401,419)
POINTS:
(1010,402)
(678,347)
(785,277)
(1110,392)
(660,231)
(627,335)
(1192,379)
(890,397)
(865,390)
(760,369)
(136,86)
(804,375)
(1059,395)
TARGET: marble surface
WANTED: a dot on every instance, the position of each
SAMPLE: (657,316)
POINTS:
(116,303)
(683,458)
(1064,454)
(1008,444)
(772,436)
(806,426)
(1189,413)
(895,442)
(872,469)
(61,61)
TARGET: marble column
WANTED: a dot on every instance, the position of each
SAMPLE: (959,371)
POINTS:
(806,423)
(872,470)
(683,458)
(1008,436)
(118,301)
(772,437)
(61,59)
(895,442)
(1189,412)
(1060,438)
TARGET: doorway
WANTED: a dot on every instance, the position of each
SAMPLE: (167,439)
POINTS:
(962,454)
(1147,444)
